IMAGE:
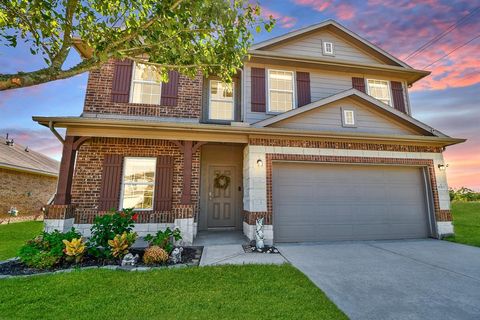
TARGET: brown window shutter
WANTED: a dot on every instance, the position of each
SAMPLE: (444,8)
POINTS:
(111,181)
(398,98)
(164,184)
(122,78)
(169,95)
(303,89)
(258,90)
(359,84)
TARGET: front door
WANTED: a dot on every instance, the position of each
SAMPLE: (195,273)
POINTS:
(221,197)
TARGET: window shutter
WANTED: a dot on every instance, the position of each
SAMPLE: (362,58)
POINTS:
(169,95)
(111,181)
(258,90)
(163,184)
(122,78)
(398,98)
(303,89)
(359,84)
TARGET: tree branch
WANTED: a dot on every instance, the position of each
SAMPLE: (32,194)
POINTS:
(173,66)
(62,54)
(28,79)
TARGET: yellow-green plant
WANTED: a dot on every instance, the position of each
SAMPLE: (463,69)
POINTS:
(74,249)
(155,254)
(121,243)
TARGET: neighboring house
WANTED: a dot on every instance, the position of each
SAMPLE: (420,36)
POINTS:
(28,179)
(316,136)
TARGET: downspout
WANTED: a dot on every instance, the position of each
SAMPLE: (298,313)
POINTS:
(55,132)
(242,94)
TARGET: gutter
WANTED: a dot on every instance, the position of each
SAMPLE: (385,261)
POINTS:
(28,170)
(51,125)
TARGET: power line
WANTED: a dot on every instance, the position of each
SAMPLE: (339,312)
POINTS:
(441,35)
(457,48)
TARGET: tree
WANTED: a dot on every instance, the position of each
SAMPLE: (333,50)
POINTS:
(211,36)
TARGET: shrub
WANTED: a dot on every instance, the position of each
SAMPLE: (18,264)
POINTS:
(164,239)
(464,194)
(155,255)
(106,227)
(74,249)
(121,243)
(46,250)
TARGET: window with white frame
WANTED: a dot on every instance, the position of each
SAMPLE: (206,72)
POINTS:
(280,91)
(379,89)
(138,183)
(348,118)
(221,104)
(146,84)
(328,48)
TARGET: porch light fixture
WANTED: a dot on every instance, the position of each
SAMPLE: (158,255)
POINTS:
(442,167)
(260,163)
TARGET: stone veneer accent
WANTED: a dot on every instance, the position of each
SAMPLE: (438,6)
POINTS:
(99,89)
(88,174)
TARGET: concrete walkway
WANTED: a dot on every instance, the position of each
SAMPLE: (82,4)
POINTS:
(225,247)
(407,279)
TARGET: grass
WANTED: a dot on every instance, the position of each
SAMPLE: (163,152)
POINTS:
(466,221)
(220,292)
(14,235)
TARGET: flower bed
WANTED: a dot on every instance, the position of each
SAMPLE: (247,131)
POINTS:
(110,245)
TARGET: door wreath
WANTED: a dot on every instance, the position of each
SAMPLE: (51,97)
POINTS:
(221,181)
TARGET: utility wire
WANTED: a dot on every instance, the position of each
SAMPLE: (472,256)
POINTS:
(457,48)
(441,35)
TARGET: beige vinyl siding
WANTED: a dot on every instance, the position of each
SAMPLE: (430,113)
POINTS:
(322,84)
(311,46)
(329,118)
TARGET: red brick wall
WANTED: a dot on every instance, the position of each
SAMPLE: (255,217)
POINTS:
(88,174)
(98,97)
(25,191)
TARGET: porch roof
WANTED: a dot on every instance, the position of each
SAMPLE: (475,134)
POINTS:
(237,133)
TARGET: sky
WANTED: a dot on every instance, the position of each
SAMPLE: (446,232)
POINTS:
(448,99)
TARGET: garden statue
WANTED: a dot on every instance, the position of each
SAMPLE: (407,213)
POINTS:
(176,256)
(13,211)
(130,260)
(259,235)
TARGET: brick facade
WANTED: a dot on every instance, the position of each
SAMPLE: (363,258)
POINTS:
(99,89)
(26,191)
(88,174)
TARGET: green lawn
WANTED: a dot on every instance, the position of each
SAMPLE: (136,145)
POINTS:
(220,292)
(14,235)
(466,221)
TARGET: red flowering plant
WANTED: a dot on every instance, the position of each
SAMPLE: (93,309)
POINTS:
(106,227)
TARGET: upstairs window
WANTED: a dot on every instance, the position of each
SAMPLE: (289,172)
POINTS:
(221,103)
(327,48)
(146,84)
(280,91)
(379,89)
(348,117)
(138,183)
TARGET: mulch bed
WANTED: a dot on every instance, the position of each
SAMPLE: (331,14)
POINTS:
(251,248)
(14,267)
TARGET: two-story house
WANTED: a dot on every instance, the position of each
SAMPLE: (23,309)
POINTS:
(315,135)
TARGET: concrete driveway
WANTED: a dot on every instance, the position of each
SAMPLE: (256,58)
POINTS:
(406,279)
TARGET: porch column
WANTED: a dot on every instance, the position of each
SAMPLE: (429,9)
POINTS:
(67,165)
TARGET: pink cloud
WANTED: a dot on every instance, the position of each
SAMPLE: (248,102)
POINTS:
(319,5)
(345,11)
(283,20)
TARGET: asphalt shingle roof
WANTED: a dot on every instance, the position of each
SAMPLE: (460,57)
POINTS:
(16,157)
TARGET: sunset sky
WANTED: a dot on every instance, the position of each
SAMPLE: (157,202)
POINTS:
(448,100)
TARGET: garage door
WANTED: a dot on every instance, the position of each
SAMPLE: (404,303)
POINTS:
(317,202)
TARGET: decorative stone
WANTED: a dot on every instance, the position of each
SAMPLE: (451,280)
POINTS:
(129,260)
(176,255)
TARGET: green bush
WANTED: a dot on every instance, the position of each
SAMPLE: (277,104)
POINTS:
(46,250)
(464,194)
(106,227)
(164,239)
